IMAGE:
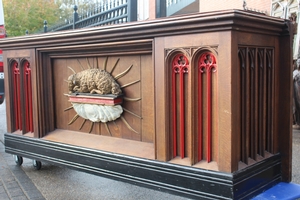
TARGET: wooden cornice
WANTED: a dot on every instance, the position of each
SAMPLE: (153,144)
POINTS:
(238,20)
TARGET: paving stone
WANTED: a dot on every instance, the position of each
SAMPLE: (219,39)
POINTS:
(2,190)
(28,186)
(14,192)
(19,198)
(18,173)
(8,179)
(5,172)
(34,194)
(12,184)
(3,196)
(38,198)
(22,178)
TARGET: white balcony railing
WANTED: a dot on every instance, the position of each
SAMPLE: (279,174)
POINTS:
(182,6)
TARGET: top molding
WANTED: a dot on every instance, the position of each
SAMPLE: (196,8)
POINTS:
(226,20)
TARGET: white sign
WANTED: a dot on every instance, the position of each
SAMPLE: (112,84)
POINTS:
(1,13)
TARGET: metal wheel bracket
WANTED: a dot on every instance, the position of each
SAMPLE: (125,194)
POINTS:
(37,164)
(18,159)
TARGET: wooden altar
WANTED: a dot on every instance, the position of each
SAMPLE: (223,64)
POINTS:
(203,108)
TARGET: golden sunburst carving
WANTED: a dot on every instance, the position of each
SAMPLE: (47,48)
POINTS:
(74,89)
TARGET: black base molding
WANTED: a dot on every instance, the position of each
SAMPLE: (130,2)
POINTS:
(181,180)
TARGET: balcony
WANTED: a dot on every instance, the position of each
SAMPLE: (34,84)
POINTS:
(177,7)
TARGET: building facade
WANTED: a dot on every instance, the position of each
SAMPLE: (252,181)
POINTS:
(255,5)
(162,8)
(288,9)
(285,9)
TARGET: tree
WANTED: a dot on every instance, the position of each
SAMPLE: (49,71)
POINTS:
(22,15)
(84,6)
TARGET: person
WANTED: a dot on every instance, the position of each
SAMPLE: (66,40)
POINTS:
(296,94)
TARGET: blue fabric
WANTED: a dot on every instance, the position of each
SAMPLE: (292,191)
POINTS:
(282,191)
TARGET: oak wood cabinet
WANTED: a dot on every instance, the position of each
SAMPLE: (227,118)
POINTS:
(206,102)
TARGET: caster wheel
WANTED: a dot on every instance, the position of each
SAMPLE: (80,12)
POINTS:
(37,164)
(18,160)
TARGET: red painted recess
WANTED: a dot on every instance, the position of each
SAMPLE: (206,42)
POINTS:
(207,65)
(180,66)
(17,96)
(28,96)
(22,88)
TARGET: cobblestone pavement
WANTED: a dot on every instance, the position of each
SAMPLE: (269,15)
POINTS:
(60,183)
(14,183)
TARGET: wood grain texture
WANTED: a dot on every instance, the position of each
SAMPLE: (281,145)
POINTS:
(133,115)
(104,143)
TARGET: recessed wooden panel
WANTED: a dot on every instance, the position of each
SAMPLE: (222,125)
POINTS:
(138,96)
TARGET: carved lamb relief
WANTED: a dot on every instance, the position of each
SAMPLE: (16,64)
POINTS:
(96,96)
